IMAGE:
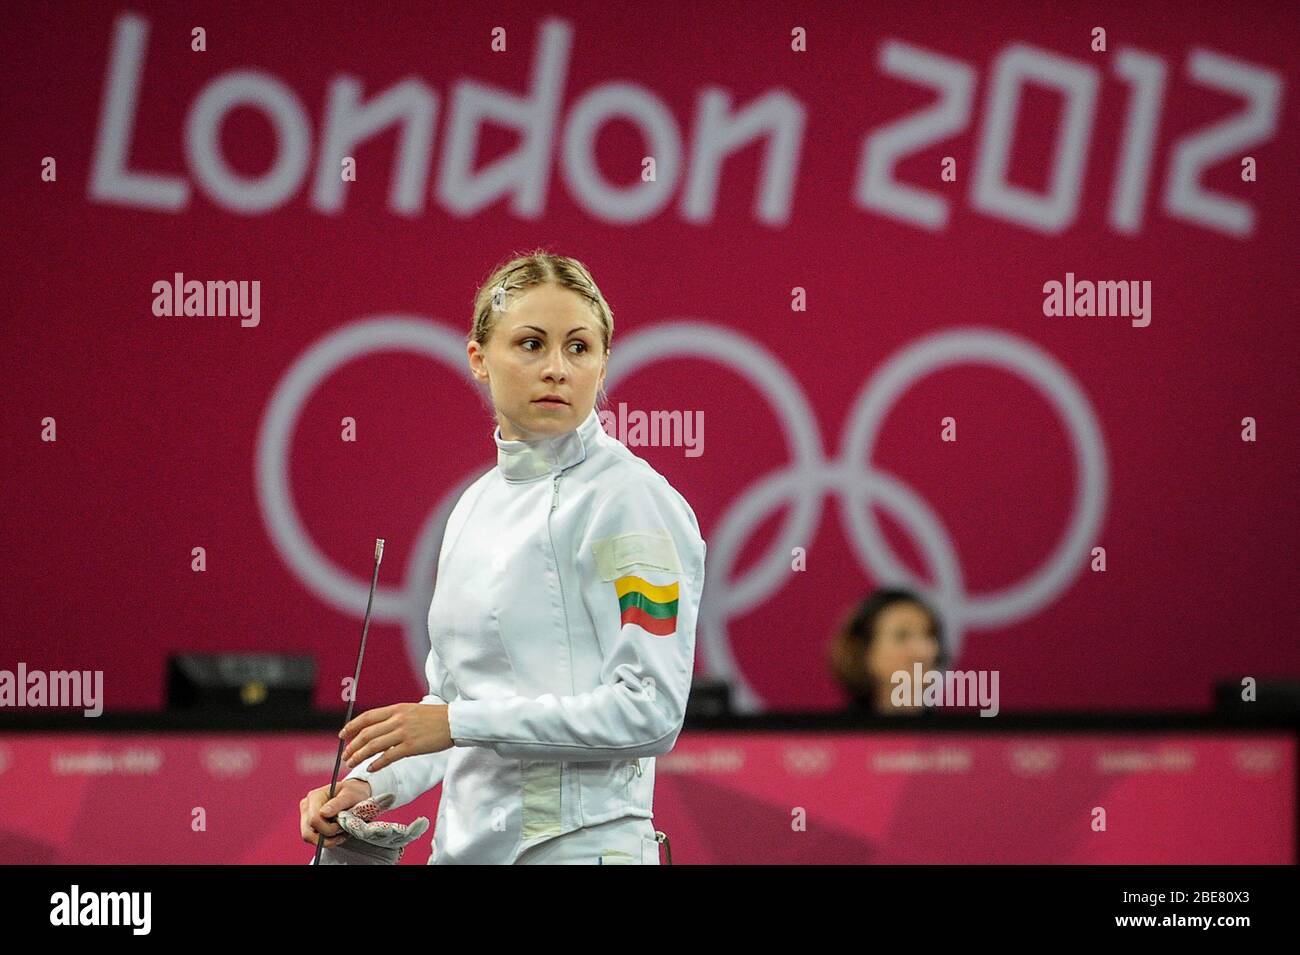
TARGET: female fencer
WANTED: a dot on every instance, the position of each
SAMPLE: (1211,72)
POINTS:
(562,626)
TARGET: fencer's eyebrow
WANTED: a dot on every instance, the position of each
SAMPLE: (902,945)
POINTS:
(580,328)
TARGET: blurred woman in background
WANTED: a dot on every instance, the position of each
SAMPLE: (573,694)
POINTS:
(891,630)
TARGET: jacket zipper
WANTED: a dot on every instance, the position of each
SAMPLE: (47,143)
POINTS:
(555,502)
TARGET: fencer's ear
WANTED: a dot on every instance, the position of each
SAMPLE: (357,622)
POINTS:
(477,369)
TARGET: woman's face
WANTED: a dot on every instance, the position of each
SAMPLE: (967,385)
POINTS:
(545,342)
(904,636)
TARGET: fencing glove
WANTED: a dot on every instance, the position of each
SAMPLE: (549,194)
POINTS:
(369,842)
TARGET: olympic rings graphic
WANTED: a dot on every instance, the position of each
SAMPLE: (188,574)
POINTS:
(803,484)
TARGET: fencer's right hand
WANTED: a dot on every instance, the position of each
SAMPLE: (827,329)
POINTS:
(319,811)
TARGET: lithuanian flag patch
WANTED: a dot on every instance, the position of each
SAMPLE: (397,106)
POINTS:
(650,607)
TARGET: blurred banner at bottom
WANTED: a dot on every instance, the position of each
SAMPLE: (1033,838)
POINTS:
(1132,798)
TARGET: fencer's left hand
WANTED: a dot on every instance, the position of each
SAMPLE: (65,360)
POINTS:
(397,731)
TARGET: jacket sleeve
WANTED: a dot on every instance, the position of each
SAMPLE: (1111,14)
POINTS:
(640,565)
(411,776)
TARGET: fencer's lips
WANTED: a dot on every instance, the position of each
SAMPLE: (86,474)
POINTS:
(550,400)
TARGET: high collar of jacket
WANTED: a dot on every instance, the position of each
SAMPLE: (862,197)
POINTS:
(527,460)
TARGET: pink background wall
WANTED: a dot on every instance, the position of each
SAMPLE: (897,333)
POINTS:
(160,419)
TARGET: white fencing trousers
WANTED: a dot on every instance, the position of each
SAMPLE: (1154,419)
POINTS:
(629,840)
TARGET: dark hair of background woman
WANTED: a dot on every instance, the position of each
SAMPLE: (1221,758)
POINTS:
(848,651)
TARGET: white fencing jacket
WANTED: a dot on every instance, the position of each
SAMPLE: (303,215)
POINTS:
(562,634)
